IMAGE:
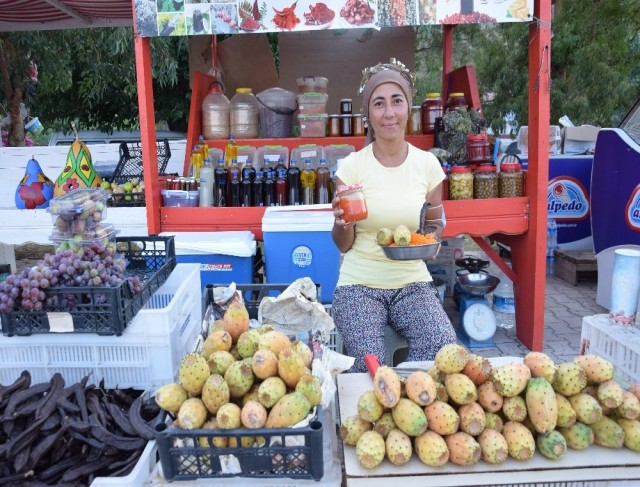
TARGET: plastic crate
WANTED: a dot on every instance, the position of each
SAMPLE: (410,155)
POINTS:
(130,162)
(147,354)
(617,343)
(100,309)
(295,453)
(140,473)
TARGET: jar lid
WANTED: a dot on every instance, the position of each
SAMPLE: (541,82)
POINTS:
(477,138)
(346,115)
(243,91)
(510,166)
(457,169)
(345,99)
(433,95)
(457,93)
(348,188)
(357,115)
(415,107)
(486,168)
(337,115)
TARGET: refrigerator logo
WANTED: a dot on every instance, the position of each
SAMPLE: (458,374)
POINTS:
(632,212)
(567,199)
(302,256)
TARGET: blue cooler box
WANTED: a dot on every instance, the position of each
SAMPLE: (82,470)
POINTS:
(297,243)
(224,257)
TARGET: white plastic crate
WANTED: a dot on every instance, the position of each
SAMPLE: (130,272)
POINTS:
(146,355)
(617,343)
(140,473)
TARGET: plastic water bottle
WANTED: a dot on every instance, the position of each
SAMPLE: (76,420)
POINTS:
(504,303)
(552,245)
(206,184)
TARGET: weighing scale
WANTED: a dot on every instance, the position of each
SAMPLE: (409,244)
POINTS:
(477,321)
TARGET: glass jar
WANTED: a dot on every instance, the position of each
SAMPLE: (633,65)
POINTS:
(485,182)
(245,114)
(357,124)
(477,149)
(352,202)
(432,108)
(460,183)
(511,180)
(334,125)
(345,106)
(455,100)
(413,124)
(345,125)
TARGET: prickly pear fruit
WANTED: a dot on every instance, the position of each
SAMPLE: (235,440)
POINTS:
(216,325)
(215,393)
(369,408)
(247,343)
(542,404)
(511,379)
(289,410)
(386,386)
(431,449)
(212,441)
(436,374)
(520,441)
(219,340)
(265,364)
(239,378)
(451,358)
(596,368)
(566,414)
(398,447)
(460,388)
(251,395)
(578,436)
(570,379)
(409,417)
(420,388)
(629,408)
(170,397)
(606,432)
(493,446)
(193,372)
(245,441)
(441,392)
(290,367)
(219,361)
(352,428)
(635,389)
(631,428)
(493,422)
(514,408)
(540,365)
(384,424)
(442,418)
(610,393)
(472,418)
(477,368)
(228,416)
(311,387)
(192,414)
(304,351)
(271,390)
(489,398)
(274,340)
(587,408)
(236,320)
(384,236)
(253,415)
(463,449)
(402,235)
(552,444)
(370,449)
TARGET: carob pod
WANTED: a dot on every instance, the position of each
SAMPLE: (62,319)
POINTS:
(119,417)
(124,443)
(22,382)
(51,474)
(50,403)
(17,399)
(44,445)
(124,467)
(141,427)
(52,423)
(81,401)
(86,468)
(21,459)
(95,408)
(16,444)
(89,440)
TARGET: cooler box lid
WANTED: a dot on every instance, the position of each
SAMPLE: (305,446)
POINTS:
(237,244)
(303,218)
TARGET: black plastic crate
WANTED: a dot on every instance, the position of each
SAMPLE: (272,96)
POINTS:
(98,309)
(130,162)
(189,461)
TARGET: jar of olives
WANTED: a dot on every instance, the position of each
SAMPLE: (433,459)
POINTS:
(485,182)
(511,180)
(460,183)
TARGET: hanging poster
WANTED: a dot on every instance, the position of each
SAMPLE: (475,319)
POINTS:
(203,17)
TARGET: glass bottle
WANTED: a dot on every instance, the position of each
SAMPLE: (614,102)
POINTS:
(206,184)
(281,188)
(203,147)
(432,108)
(220,179)
(258,188)
(308,182)
(322,183)
(269,189)
(230,151)
(233,184)
(246,191)
(294,184)
(195,162)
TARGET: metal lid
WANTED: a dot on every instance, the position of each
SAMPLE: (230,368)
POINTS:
(479,322)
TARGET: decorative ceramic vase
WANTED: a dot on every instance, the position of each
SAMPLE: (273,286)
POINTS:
(35,189)
(625,286)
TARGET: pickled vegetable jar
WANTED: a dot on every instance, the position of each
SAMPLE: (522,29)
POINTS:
(460,183)
(477,149)
(511,180)
(432,108)
(455,100)
(485,182)
(352,202)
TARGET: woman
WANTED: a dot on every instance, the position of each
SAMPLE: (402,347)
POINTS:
(372,290)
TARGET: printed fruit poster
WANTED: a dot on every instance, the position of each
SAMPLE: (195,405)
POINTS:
(200,17)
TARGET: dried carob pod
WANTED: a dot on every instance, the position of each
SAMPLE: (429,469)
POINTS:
(22,382)
(141,427)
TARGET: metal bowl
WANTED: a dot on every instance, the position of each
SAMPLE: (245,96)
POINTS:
(411,252)
(477,283)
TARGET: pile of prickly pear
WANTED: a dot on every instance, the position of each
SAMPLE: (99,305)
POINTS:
(463,410)
(243,378)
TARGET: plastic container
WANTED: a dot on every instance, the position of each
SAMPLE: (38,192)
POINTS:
(179,198)
(456,100)
(485,182)
(460,183)
(205,189)
(511,180)
(313,125)
(272,154)
(244,115)
(478,149)
(312,103)
(216,110)
(312,83)
(352,202)
(432,108)
(276,112)
(247,154)
(303,152)
(79,210)
(504,303)
(414,122)
(336,152)
(102,235)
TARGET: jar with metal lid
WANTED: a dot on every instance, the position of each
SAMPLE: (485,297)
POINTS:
(334,125)
(357,124)
(245,114)
(345,125)
(460,183)
(413,124)
(485,182)
(477,149)
(432,108)
(352,202)
(346,106)
(455,100)
(511,180)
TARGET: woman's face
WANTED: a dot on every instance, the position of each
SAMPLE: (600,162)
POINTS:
(388,111)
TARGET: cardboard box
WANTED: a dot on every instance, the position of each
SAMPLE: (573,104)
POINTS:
(579,140)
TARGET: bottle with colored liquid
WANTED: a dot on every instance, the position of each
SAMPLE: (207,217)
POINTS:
(220,180)
(269,190)
(258,188)
(294,184)
(230,151)
(308,182)
(203,147)
(281,188)
(206,184)
(322,183)
(233,184)
(195,162)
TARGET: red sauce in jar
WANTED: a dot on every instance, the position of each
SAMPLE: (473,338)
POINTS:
(352,202)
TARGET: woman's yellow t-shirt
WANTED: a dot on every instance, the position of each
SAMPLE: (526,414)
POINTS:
(394,196)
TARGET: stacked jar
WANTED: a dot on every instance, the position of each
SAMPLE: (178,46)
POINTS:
(460,183)
(312,106)
(477,149)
